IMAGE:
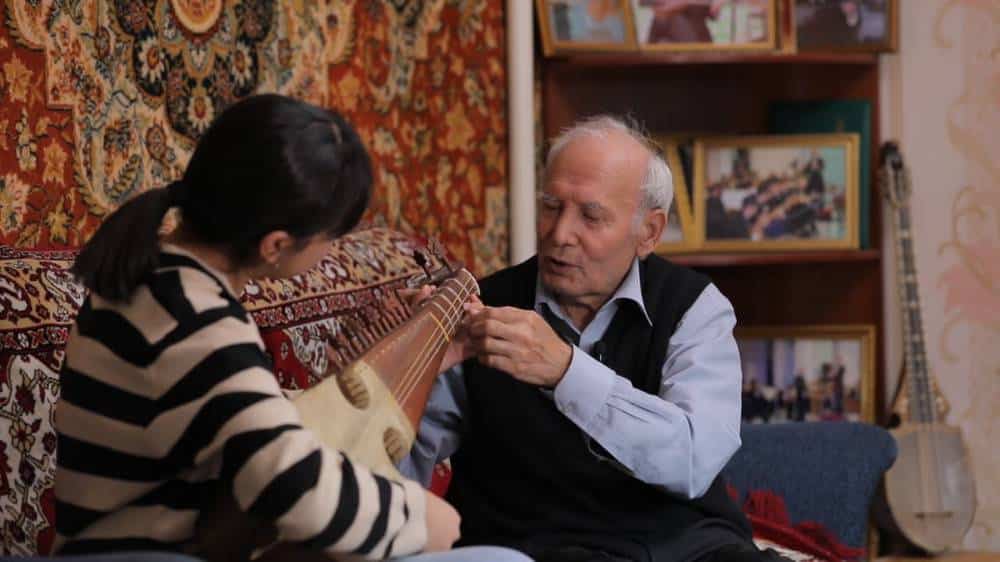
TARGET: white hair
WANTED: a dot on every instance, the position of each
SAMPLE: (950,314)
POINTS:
(657,188)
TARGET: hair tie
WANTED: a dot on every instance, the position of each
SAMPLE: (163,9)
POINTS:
(176,192)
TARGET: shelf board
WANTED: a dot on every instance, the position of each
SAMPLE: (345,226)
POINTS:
(779,258)
(612,60)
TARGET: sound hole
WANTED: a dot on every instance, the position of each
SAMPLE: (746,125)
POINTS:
(394,446)
(354,389)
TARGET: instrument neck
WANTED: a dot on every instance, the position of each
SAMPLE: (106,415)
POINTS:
(409,359)
(921,399)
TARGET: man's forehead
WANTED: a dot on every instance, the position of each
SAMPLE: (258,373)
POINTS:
(597,200)
(583,200)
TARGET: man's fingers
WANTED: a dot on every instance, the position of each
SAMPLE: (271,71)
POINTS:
(498,362)
(473,306)
(508,314)
(486,326)
(494,346)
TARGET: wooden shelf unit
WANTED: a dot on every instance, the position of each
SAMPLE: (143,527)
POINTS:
(608,60)
(729,94)
(783,258)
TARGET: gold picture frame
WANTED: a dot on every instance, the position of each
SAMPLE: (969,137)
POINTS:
(679,236)
(608,23)
(834,31)
(777,192)
(734,26)
(808,373)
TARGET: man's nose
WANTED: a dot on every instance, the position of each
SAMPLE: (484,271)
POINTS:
(563,229)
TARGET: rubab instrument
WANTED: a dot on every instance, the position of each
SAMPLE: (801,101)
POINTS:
(930,490)
(369,406)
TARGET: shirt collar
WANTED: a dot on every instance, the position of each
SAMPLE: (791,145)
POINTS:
(630,289)
(219,276)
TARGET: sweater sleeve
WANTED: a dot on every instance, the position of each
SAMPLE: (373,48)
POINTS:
(281,472)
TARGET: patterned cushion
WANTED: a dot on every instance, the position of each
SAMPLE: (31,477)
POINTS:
(38,301)
(352,289)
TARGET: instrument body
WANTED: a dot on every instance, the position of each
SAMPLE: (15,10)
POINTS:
(930,489)
(368,406)
(371,409)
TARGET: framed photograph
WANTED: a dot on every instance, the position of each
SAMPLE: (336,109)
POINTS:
(777,193)
(585,25)
(808,373)
(679,235)
(846,25)
(705,25)
(833,116)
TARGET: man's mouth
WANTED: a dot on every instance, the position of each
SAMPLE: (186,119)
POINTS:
(558,265)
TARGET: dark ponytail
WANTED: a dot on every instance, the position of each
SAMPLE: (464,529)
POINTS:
(266,163)
(126,246)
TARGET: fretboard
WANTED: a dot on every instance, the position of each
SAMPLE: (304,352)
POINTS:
(921,399)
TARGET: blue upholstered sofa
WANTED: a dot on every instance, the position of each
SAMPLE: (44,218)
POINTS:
(826,472)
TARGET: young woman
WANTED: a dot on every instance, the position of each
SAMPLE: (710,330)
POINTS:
(167,392)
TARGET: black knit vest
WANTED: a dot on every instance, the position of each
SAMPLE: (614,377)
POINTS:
(527,477)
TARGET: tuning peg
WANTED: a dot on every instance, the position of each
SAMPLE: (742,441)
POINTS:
(422,261)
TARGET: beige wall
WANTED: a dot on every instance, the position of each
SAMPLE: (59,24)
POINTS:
(941,99)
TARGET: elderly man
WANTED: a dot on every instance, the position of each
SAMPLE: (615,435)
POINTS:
(602,394)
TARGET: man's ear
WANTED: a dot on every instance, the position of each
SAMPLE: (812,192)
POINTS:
(274,245)
(650,231)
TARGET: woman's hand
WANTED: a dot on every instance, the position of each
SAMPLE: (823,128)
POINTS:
(442,524)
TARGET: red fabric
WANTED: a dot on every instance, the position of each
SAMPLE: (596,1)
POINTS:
(47,534)
(441,479)
(769,518)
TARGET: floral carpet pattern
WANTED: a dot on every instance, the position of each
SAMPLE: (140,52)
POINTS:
(103,99)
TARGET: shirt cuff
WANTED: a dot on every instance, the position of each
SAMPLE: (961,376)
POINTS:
(584,390)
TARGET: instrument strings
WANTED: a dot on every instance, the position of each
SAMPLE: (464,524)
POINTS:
(356,337)
(923,407)
(451,310)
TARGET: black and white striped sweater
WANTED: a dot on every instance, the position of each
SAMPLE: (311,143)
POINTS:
(165,395)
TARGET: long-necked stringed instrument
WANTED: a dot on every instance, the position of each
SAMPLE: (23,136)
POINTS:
(368,406)
(930,490)
(371,407)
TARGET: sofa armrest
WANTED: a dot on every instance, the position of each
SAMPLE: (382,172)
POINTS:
(826,472)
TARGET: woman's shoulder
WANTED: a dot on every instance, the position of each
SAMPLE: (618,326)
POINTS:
(189,287)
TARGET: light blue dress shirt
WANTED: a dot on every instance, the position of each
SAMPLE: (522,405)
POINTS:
(678,440)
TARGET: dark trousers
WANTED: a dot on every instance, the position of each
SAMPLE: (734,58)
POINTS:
(742,553)
(727,553)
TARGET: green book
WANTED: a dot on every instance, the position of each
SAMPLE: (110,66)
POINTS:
(833,116)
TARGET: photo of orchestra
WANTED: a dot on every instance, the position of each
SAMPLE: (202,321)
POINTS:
(802,378)
(758,193)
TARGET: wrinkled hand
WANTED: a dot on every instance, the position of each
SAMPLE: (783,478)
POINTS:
(521,343)
(458,349)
